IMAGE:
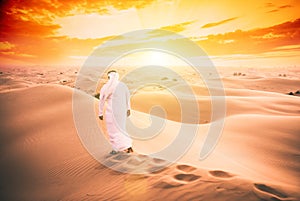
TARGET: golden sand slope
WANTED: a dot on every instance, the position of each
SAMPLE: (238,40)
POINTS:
(42,158)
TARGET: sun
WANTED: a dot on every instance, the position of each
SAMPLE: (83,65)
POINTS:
(157,58)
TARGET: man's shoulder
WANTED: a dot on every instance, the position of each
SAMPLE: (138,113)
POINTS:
(104,86)
(122,85)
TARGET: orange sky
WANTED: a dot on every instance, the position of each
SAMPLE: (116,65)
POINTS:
(232,32)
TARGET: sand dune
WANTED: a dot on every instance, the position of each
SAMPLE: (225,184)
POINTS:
(279,85)
(260,147)
(238,101)
(256,158)
(42,158)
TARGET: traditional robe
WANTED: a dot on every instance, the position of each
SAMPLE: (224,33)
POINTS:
(117,96)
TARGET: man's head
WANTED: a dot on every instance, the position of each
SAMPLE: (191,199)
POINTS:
(111,71)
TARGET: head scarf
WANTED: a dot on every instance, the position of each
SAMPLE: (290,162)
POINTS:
(111,84)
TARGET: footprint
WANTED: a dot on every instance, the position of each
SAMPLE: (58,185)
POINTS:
(112,160)
(157,160)
(144,157)
(121,156)
(221,174)
(135,161)
(269,192)
(186,177)
(110,163)
(185,168)
(166,185)
(157,169)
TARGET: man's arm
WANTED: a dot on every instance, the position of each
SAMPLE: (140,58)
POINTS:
(128,101)
(101,102)
(128,113)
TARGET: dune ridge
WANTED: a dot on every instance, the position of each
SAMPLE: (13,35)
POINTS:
(256,158)
(42,158)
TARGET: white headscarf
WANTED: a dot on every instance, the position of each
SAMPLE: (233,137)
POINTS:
(111,84)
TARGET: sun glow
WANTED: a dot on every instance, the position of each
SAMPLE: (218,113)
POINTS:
(155,58)
(94,25)
(52,32)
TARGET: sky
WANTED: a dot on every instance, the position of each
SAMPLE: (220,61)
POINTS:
(231,32)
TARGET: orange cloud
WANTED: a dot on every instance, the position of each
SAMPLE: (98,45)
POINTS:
(218,23)
(278,8)
(268,5)
(36,17)
(177,27)
(28,29)
(6,46)
(46,10)
(253,41)
(285,6)
(51,50)
(18,54)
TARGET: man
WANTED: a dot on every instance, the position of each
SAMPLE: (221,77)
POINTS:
(117,96)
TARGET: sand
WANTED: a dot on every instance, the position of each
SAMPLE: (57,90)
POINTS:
(256,158)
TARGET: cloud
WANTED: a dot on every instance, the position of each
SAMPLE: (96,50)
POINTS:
(278,8)
(51,49)
(97,26)
(38,17)
(14,29)
(268,5)
(68,7)
(209,25)
(239,42)
(288,47)
(177,27)
(18,54)
(285,6)
(253,41)
(273,11)
(6,46)
(30,26)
